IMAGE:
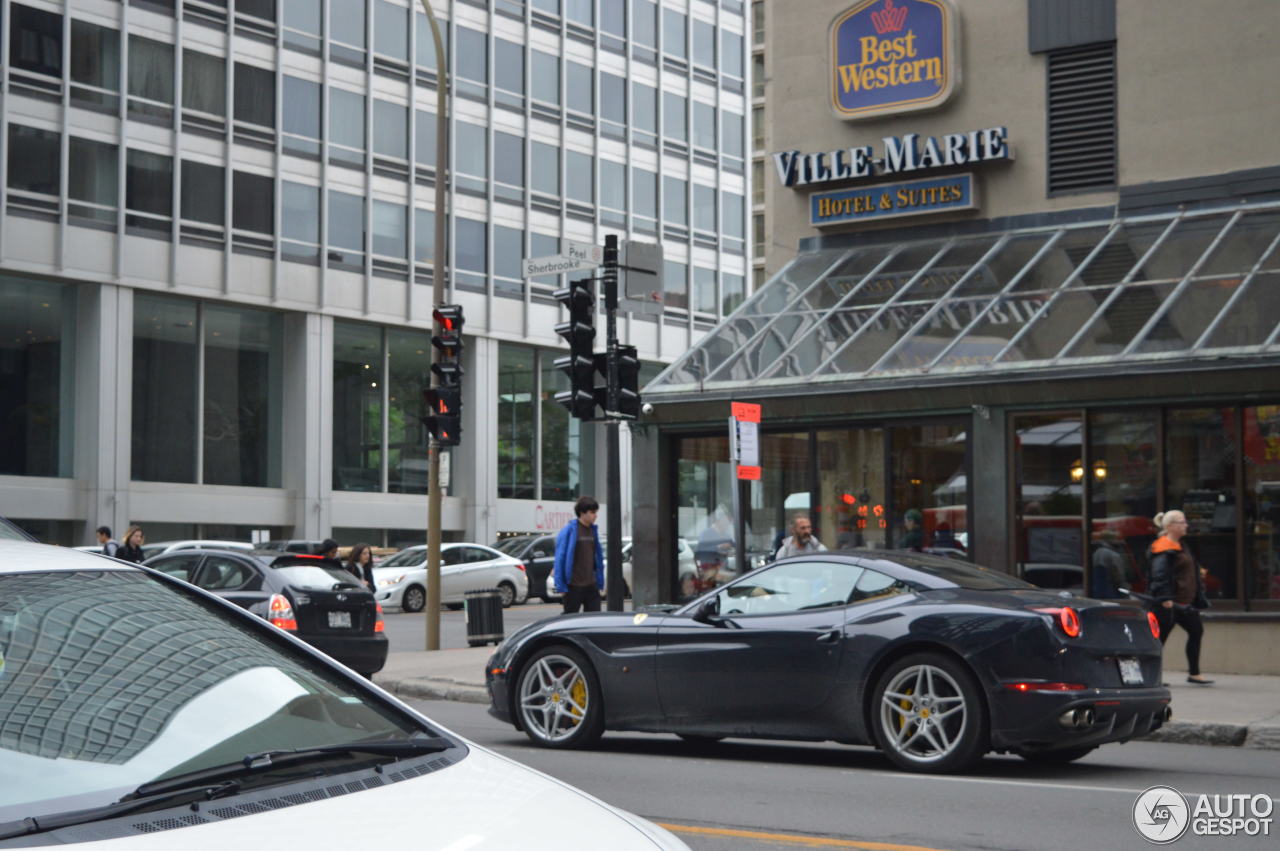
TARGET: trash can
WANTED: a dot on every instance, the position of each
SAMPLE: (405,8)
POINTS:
(483,609)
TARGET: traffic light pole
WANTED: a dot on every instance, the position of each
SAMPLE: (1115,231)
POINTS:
(613,497)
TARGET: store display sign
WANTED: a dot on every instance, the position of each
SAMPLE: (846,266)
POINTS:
(890,200)
(890,56)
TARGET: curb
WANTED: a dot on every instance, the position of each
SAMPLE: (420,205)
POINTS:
(435,689)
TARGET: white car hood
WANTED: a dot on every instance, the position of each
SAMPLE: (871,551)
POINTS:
(483,801)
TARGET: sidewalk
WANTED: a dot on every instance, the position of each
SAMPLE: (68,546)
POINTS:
(1237,710)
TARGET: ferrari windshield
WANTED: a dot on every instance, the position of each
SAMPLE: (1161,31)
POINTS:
(110,679)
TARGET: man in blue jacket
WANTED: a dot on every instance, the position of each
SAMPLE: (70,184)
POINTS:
(579,567)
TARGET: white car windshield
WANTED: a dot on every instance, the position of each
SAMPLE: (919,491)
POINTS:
(406,558)
(113,679)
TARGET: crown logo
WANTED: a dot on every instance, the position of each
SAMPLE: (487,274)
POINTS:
(889,19)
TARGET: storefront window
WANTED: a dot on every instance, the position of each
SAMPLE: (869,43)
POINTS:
(852,496)
(1262,502)
(243,383)
(704,513)
(165,406)
(1048,483)
(1121,469)
(37,357)
(357,407)
(929,508)
(408,372)
(561,437)
(516,412)
(1200,482)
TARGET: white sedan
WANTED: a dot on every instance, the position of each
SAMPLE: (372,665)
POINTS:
(402,578)
(235,731)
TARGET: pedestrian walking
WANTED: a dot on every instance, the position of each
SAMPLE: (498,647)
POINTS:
(801,539)
(109,545)
(1107,576)
(131,549)
(913,530)
(1177,587)
(578,573)
(360,562)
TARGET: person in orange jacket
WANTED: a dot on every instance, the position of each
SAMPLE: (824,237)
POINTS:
(1177,586)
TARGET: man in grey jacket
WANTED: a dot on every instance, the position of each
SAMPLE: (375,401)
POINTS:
(801,540)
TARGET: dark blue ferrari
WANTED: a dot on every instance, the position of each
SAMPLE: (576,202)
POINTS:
(933,660)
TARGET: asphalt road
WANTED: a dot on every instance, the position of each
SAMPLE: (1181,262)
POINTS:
(742,794)
(408,632)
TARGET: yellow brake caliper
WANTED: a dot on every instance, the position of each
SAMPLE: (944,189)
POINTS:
(906,705)
(578,691)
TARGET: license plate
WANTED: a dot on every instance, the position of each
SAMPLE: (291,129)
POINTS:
(1130,671)
(340,620)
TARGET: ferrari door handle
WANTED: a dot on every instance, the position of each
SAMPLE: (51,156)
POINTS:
(829,637)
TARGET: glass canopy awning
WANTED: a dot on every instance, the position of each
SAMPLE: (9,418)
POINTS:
(1175,287)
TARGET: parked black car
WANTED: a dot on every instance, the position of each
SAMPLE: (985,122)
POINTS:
(315,598)
(538,552)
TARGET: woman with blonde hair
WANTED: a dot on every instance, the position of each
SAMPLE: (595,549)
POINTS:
(1177,588)
(131,549)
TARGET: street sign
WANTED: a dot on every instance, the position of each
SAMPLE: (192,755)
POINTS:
(573,257)
(744,439)
(640,277)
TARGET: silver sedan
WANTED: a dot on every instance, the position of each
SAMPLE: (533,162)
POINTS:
(402,579)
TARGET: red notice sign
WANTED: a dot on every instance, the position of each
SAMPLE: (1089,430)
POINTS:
(744,429)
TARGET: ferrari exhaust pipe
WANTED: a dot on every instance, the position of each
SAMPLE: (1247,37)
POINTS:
(1078,719)
(1087,717)
(1168,712)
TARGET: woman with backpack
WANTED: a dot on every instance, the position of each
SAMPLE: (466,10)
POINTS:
(1177,588)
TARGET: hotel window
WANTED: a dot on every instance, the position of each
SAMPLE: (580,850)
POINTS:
(704,290)
(301,117)
(473,63)
(299,222)
(473,253)
(472,158)
(346,128)
(579,88)
(302,20)
(579,177)
(37,354)
(1082,119)
(92,181)
(508,73)
(675,34)
(546,77)
(253,203)
(149,193)
(150,80)
(508,167)
(203,193)
(545,168)
(675,200)
(508,249)
(675,124)
(95,66)
(346,231)
(204,89)
(704,44)
(391,31)
(347,37)
(255,96)
(675,283)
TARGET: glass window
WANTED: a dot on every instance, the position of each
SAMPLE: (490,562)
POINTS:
(579,172)
(757,76)
(674,121)
(473,55)
(253,202)
(301,107)
(37,333)
(704,125)
(1121,469)
(95,61)
(508,158)
(704,43)
(35,158)
(265,9)
(543,245)
(299,212)
(426,57)
(734,215)
(390,230)
(92,177)
(704,207)
(391,30)
(545,165)
(1200,450)
(733,292)
(508,250)
(704,289)
(613,98)
(644,22)
(346,22)
(165,410)
(579,88)
(757,128)
(346,221)
(644,107)
(472,153)
(357,407)
(644,192)
(580,12)
(546,76)
(425,138)
(851,508)
(346,118)
(551,7)
(674,33)
(424,236)
(930,487)
(149,187)
(390,129)
(304,15)
(1047,488)
(35,40)
(704,509)
(243,350)
(675,200)
(733,141)
(562,438)
(472,245)
(516,447)
(508,65)
(204,83)
(675,284)
(408,374)
(203,193)
(613,17)
(1262,502)
(255,95)
(150,69)
(613,185)
(731,53)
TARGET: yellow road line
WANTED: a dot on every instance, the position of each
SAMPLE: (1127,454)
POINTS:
(793,838)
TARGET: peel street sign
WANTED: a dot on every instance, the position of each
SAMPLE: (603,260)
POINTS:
(573,257)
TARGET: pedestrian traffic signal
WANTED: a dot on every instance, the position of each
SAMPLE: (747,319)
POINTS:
(579,331)
(444,398)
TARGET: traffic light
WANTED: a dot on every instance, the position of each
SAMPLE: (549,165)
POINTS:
(628,382)
(579,365)
(445,398)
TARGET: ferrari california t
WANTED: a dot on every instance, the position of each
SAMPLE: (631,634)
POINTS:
(933,660)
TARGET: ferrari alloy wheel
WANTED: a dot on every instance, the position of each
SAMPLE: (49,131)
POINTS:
(559,699)
(414,600)
(929,714)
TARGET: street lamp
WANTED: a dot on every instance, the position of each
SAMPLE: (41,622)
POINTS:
(437,297)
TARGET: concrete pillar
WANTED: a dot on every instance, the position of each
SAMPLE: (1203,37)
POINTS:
(103,406)
(989,489)
(653,517)
(474,464)
(308,435)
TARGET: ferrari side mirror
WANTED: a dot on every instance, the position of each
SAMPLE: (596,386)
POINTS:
(708,611)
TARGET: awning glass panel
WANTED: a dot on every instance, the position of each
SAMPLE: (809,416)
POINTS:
(1055,265)
(1189,315)
(1252,319)
(1114,326)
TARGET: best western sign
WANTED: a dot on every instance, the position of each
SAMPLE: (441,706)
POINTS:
(892,56)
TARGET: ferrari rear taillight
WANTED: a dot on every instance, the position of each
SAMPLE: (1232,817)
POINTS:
(378,625)
(1154,623)
(1067,619)
(1024,687)
(280,613)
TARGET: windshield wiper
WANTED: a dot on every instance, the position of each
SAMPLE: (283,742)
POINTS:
(218,781)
